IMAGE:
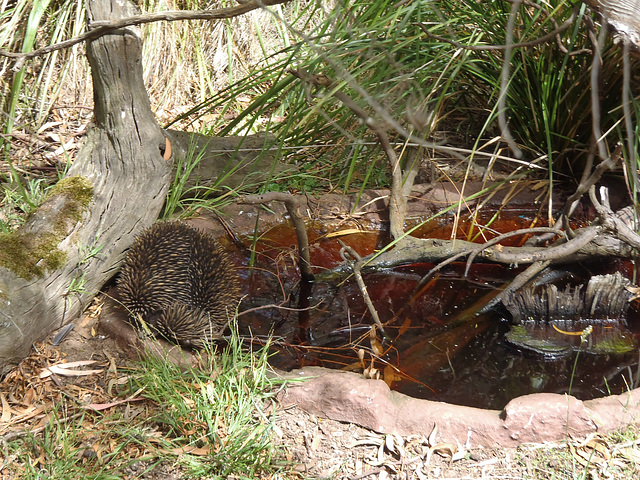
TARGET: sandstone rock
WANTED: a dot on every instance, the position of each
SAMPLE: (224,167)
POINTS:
(347,397)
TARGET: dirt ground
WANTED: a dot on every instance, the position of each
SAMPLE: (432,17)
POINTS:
(310,446)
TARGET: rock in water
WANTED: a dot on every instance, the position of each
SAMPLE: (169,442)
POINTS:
(179,281)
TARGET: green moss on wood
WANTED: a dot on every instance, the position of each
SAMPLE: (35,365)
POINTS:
(27,256)
(30,254)
(79,190)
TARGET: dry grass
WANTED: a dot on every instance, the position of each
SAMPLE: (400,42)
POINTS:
(186,63)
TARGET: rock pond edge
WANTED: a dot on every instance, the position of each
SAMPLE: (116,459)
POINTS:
(534,418)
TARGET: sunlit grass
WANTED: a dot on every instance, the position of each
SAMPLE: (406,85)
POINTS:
(224,407)
(215,420)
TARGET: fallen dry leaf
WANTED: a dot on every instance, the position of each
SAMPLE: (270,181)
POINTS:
(347,231)
(6,409)
(632,454)
(65,369)
(199,451)
(104,406)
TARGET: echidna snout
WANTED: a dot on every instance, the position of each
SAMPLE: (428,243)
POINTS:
(180,282)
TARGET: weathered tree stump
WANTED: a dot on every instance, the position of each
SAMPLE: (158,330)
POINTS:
(54,265)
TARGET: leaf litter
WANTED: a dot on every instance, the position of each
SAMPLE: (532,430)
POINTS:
(83,384)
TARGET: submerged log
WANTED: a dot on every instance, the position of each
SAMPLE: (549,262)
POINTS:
(603,297)
(555,322)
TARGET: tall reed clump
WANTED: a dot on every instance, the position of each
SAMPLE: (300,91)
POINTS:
(433,69)
(33,90)
(549,104)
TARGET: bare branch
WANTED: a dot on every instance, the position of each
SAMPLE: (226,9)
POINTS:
(586,184)
(520,281)
(351,257)
(504,83)
(100,28)
(613,223)
(494,241)
(595,88)
(294,204)
(628,122)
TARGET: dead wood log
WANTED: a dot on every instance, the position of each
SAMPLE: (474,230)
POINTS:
(52,266)
(232,162)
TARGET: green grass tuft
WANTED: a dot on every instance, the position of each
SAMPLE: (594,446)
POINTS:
(223,409)
(215,420)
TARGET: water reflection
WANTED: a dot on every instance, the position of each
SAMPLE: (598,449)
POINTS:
(436,347)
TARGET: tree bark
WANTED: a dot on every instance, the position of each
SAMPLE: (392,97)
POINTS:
(115,188)
(624,16)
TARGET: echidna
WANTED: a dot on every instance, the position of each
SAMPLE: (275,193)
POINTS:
(180,282)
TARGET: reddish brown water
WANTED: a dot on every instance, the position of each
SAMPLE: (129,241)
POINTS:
(436,346)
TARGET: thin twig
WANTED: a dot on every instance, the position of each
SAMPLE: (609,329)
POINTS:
(350,256)
(279,307)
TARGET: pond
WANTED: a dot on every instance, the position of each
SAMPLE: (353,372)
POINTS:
(435,345)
